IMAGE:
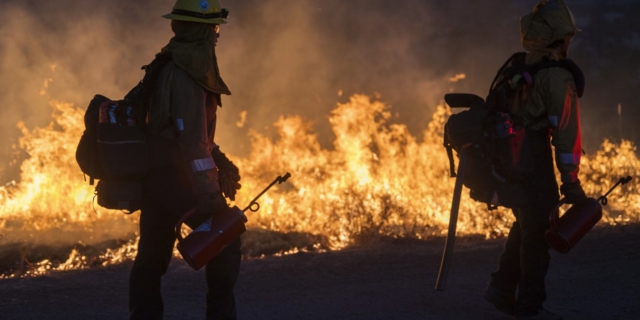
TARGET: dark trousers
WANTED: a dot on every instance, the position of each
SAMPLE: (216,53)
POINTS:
(525,261)
(167,195)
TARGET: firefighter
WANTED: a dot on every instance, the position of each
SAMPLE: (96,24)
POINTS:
(550,111)
(187,168)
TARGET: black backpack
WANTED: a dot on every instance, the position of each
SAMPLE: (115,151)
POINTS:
(113,147)
(498,163)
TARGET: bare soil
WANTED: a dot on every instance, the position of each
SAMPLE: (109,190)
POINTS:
(599,279)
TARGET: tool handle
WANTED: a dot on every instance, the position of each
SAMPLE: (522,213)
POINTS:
(254,206)
(555,213)
(447,254)
(178,228)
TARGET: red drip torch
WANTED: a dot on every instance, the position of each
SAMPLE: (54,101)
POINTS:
(567,230)
(211,237)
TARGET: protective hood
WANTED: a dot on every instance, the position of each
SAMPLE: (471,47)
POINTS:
(192,50)
(550,21)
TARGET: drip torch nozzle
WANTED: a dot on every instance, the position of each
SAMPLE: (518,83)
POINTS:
(254,206)
(603,200)
(284,179)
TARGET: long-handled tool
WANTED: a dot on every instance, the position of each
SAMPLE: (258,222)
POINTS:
(445,265)
(211,237)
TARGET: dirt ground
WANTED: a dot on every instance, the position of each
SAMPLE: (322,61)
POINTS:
(599,279)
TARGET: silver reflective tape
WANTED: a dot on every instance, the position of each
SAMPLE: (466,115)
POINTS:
(570,158)
(203,164)
(180,124)
(553,120)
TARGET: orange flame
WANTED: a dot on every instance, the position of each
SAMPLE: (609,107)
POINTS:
(52,203)
(377,180)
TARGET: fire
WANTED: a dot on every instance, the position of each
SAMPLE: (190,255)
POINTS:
(52,203)
(381,180)
(378,179)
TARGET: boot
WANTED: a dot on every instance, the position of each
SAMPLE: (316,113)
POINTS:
(504,301)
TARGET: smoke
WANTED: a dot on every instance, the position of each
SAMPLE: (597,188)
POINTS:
(69,50)
(300,57)
(278,57)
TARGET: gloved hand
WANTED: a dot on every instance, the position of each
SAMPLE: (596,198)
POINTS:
(228,174)
(573,192)
(209,204)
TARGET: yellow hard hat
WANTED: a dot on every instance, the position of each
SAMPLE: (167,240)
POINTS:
(205,11)
(550,21)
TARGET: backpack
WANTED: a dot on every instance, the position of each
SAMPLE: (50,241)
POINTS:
(498,163)
(113,147)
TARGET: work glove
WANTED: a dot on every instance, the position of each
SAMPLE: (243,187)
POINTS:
(573,192)
(228,174)
(209,203)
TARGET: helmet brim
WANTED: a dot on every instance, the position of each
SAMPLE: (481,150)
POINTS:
(179,17)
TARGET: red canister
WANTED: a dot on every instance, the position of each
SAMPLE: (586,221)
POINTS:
(567,230)
(211,237)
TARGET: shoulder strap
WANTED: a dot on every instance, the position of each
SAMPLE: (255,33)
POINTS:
(140,96)
(152,72)
(567,64)
(449,148)
(516,56)
(578,75)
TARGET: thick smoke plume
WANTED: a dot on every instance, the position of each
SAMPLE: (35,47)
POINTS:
(294,57)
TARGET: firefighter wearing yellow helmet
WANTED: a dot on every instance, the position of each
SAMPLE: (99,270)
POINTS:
(550,21)
(205,11)
(187,168)
(546,102)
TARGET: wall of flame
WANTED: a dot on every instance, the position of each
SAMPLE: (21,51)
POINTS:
(378,179)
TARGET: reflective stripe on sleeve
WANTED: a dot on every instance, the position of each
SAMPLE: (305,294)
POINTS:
(203,164)
(570,158)
(553,120)
(180,124)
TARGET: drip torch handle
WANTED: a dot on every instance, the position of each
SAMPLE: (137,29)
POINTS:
(603,200)
(178,227)
(254,206)
(555,213)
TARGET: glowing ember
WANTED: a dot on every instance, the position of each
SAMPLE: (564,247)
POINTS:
(458,77)
(378,180)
